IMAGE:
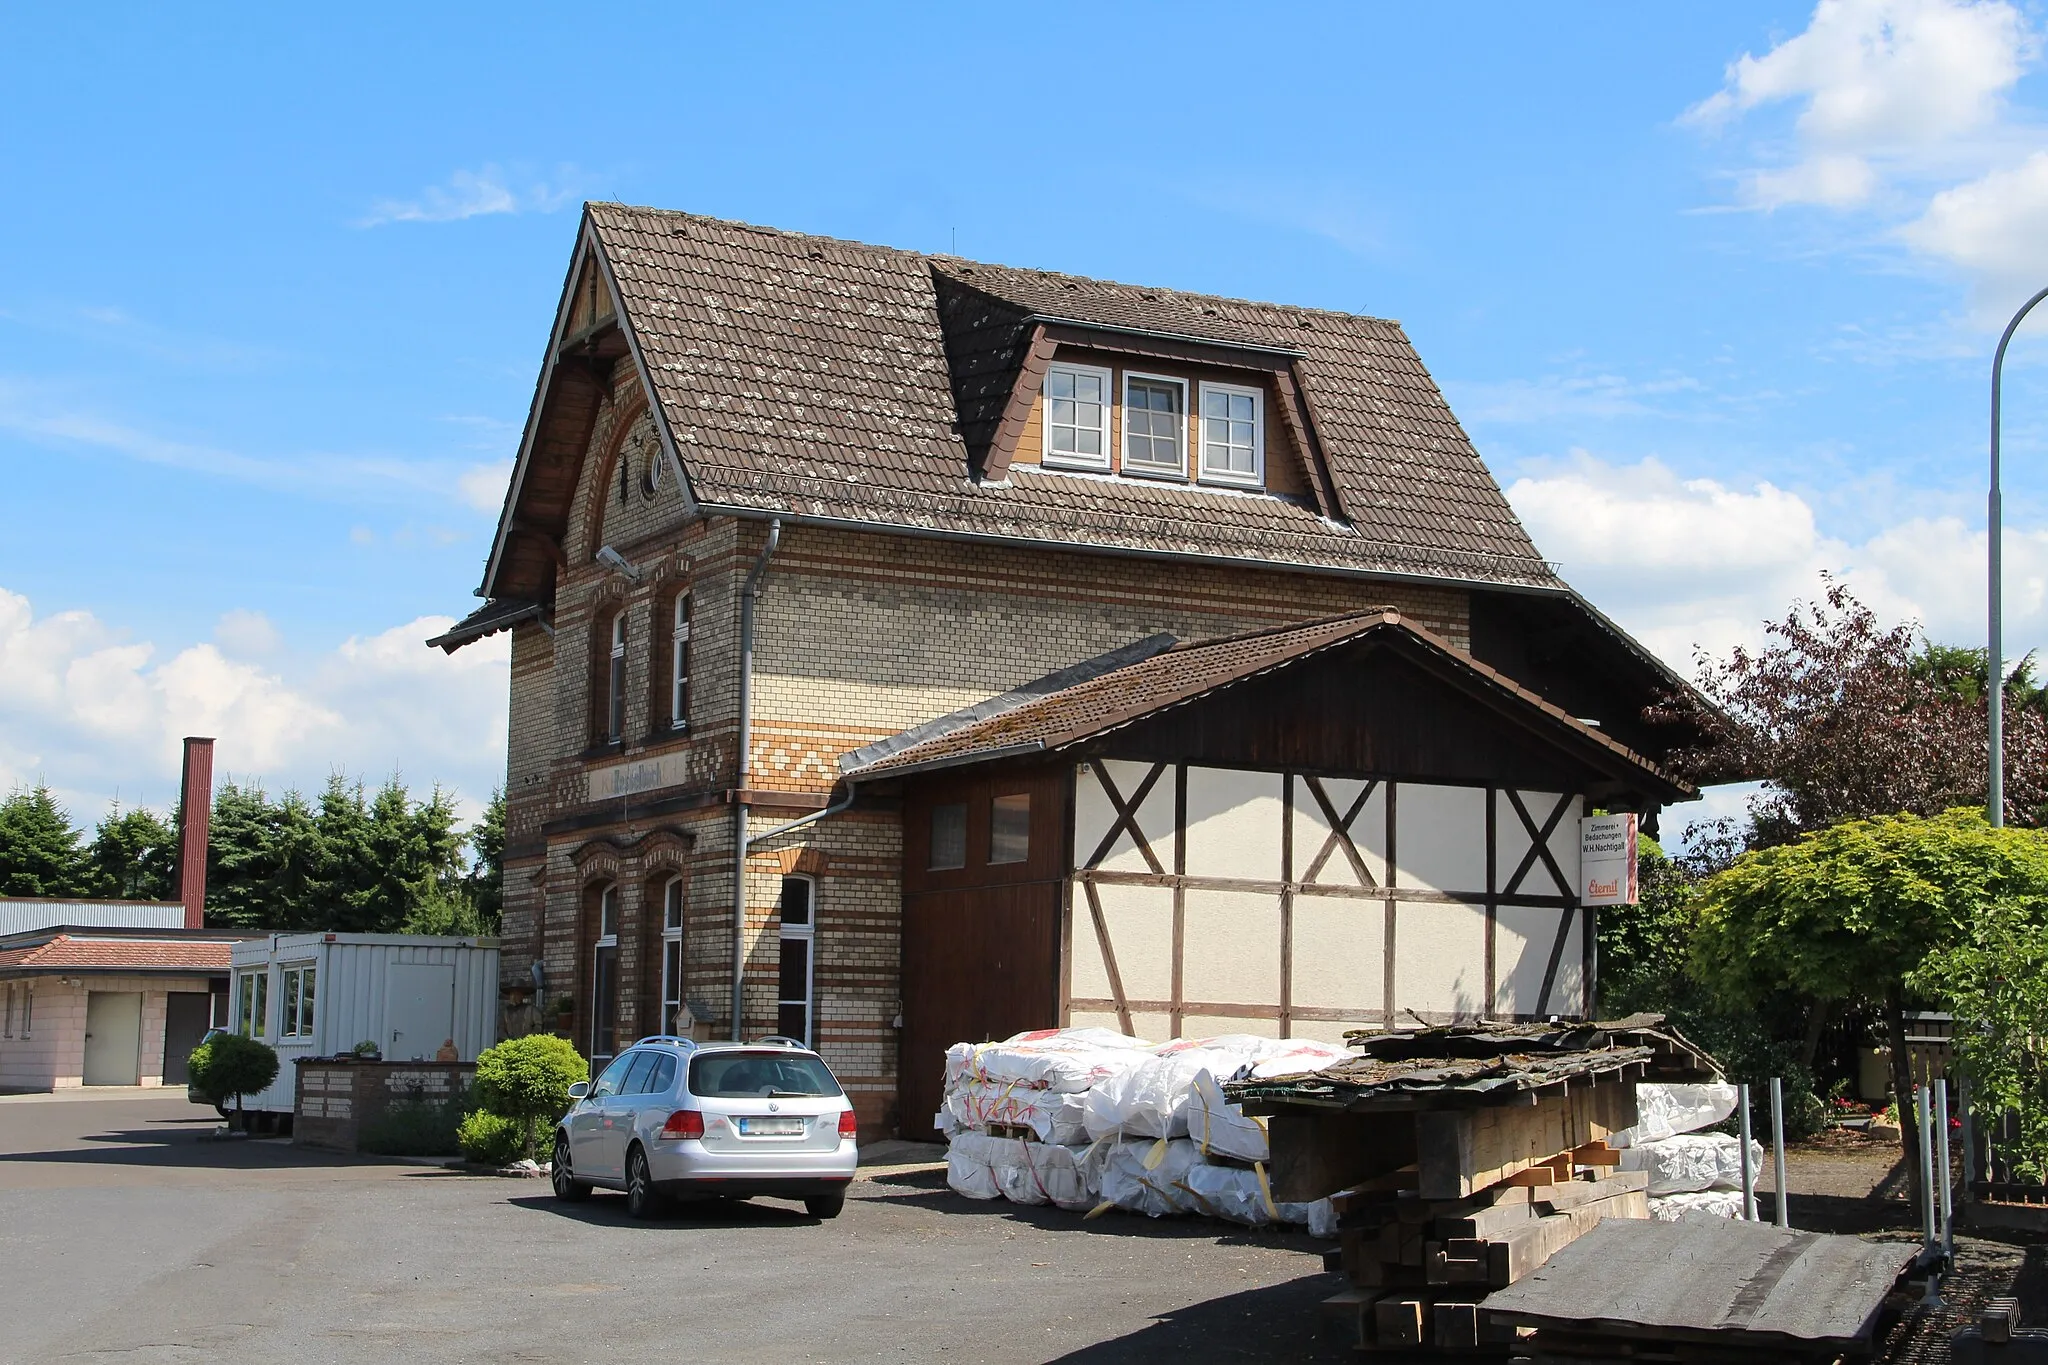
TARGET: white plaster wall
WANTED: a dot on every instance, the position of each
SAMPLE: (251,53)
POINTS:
(1140,924)
(1312,830)
(1523,939)
(1094,816)
(1440,838)
(1340,954)
(1232,946)
(1511,842)
(1234,822)
(1440,957)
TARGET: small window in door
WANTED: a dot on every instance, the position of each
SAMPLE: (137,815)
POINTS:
(1009,828)
(949,836)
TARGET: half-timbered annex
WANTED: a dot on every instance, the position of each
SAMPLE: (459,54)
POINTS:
(908,649)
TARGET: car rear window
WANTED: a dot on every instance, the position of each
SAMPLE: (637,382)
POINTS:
(751,1075)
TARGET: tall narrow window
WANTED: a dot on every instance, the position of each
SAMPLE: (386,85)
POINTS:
(672,956)
(679,665)
(28,1009)
(949,836)
(615,705)
(1009,828)
(604,977)
(8,1030)
(1077,416)
(1233,443)
(1155,425)
(252,1007)
(799,936)
(296,1018)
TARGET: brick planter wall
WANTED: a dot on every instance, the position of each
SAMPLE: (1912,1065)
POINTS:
(335,1099)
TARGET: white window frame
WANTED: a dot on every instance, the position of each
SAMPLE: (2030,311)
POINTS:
(296,1002)
(615,682)
(254,1021)
(607,937)
(1150,471)
(28,1010)
(8,1030)
(679,663)
(672,911)
(809,934)
(1230,478)
(1061,459)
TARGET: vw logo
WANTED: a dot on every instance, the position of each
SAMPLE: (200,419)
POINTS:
(774,1108)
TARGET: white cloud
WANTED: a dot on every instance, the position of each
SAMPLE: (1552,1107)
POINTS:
(95,714)
(483,486)
(1696,563)
(473,194)
(1995,228)
(244,632)
(1884,85)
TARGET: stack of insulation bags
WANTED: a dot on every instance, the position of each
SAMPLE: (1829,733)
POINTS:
(1092,1119)
(1689,1170)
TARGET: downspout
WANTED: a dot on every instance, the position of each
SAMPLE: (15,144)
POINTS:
(740,808)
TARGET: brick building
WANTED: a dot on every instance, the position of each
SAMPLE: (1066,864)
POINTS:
(782,499)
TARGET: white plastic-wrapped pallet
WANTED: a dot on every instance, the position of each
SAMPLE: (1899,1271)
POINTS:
(1155,1190)
(1237,1195)
(1664,1111)
(1064,1060)
(983,1167)
(1669,1208)
(1152,1100)
(1219,1128)
(1051,1115)
(1691,1162)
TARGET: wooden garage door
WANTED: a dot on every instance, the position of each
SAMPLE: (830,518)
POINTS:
(977,965)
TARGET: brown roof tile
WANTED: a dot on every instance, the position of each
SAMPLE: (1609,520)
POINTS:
(67,952)
(835,380)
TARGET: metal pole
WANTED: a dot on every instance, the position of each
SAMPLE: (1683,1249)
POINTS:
(1748,1175)
(1778,1146)
(1994,797)
(1923,1105)
(1948,1231)
(1969,1137)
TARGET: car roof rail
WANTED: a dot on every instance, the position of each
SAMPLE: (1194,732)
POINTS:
(781,1040)
(668,1038)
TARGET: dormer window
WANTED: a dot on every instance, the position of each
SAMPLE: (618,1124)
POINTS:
(1077,416)
(1233,444)
(1155,425)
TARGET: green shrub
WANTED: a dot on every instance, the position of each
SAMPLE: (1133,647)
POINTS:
(414,1127)
(528,1079)
(491,1139)
(229,1066)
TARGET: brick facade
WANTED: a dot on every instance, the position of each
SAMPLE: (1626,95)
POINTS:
(859,635)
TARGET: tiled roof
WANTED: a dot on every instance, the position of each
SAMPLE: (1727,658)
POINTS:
(68,952)
(813,377)
(1183,673)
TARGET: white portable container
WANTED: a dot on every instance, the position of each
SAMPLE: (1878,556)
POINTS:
(316,995)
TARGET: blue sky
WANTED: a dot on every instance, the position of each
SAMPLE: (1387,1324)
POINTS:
(1714,288)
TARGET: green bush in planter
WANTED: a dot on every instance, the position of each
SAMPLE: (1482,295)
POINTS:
(528,1079)
(230,1066)
(491,1139)
(417,1126)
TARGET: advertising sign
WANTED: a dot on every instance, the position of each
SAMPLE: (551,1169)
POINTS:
(1607,859)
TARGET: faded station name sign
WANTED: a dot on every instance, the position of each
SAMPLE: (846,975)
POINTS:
(1607,859)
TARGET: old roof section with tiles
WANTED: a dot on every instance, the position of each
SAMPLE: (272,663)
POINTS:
(844,383)
(1165,678)
(72,948)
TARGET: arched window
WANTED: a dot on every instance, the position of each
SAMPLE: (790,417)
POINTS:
(604,977)
(679,665)
(671,955)
(799,934)
(615,682)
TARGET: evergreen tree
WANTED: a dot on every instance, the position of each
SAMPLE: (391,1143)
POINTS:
(486,879)
(39,852)
(133,856)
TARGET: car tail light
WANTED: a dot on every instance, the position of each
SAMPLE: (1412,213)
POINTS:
(684,1123)
(847,1126)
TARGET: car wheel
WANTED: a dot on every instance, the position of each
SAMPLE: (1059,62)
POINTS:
(567,1186)
(825,1205)
(641,1199)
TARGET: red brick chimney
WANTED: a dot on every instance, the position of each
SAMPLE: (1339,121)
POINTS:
(195,813)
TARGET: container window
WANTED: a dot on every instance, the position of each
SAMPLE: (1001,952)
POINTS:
(949,836)
(252,1005)
(295,1020)
(1009,828)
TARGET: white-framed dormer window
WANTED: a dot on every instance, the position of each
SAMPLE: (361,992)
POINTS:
(671,955)
(679,665)
(295,1020)
(1077,403)
(1233,435)
(1155,425)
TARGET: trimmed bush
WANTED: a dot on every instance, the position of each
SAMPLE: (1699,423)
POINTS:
(528,1079)
(414,1127)
(229,1066)
(491,1139)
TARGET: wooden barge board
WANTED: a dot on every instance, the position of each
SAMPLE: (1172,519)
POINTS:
(1709,1280)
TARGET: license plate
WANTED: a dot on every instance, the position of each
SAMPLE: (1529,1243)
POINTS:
(772,1127)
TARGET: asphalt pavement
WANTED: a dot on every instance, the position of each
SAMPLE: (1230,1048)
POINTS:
(129,1237)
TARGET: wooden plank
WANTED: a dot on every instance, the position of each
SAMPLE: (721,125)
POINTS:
(1399,1322)
(1318,1155)
(1349,1318)
(1455,1324)
(1464,1151)
(1572,1193)
(1530,1245)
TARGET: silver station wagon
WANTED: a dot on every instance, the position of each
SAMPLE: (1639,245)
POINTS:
(670,1118)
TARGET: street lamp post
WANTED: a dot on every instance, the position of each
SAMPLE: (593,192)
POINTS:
(1994,797)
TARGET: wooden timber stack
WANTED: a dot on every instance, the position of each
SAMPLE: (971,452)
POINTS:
(1462,1160)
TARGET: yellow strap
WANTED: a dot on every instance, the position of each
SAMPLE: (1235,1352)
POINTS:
(1265,1190)
(1156,1155)
(1104,1207)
